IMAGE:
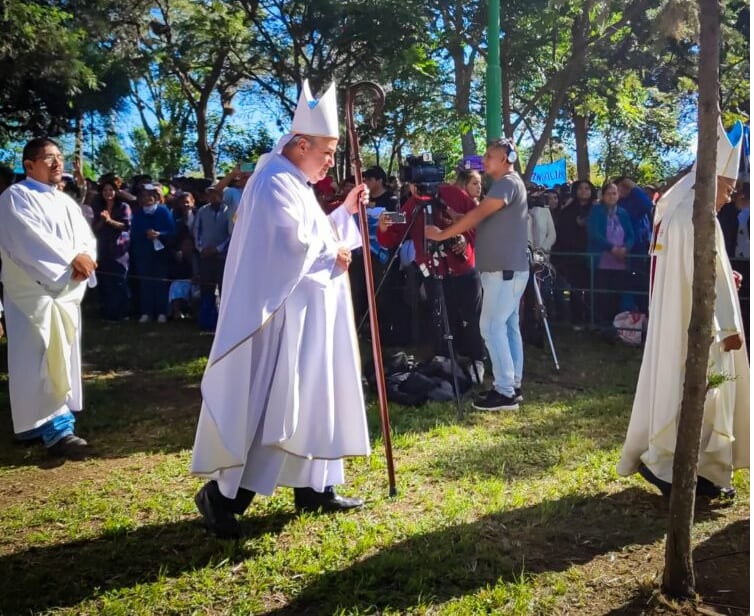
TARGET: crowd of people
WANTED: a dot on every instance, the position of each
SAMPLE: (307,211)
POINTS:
(592,246)
(162,247)
(161,244)
(285,331)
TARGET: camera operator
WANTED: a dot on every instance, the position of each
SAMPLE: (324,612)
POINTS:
(470,182)
(501,243)
(462,286)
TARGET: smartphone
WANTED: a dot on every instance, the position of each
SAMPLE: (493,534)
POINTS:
(247,167)
(396,218)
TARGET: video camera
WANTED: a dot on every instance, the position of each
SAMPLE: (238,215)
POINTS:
(426,172)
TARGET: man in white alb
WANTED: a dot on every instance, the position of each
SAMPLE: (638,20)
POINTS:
(282,397)
(651,438)
(48,254)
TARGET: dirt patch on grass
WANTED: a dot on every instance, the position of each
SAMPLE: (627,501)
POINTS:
(626,582)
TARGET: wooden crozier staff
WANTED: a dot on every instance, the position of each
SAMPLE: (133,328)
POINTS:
(353,141)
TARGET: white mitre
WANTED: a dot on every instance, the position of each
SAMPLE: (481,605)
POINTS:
(318,118)
(728,157)
(729,153)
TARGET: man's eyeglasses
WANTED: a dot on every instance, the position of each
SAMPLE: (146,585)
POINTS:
(51,158)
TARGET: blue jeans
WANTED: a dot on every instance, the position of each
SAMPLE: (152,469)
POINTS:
(500,330)
(52,431)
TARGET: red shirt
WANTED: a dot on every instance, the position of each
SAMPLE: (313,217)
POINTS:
(454,198)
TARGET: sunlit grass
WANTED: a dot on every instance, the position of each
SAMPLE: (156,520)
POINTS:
(498,513)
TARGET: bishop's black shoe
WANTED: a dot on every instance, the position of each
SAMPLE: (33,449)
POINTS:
(218,519)
(518,395)
(71,447)
(307,499)
(704,487)
(662,486)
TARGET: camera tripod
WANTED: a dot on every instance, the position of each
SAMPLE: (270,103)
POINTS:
(430,270)
(536,265)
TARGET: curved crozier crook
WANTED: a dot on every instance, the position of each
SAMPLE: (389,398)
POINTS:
(378,96)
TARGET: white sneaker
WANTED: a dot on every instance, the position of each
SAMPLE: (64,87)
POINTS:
(161,318)
(476,372)
(144,318)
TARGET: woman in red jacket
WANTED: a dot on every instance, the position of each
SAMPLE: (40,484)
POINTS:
(454,264)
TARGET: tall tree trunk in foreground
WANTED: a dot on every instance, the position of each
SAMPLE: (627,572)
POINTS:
(678,579)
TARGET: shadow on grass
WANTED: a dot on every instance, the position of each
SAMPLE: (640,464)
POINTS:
(137,412)
(459,560)
(721,568)
(155,411)
(142,395)
(540,440)
(65,574)
(141,392)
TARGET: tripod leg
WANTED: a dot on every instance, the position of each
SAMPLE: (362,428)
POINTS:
(545,323)
(448,336)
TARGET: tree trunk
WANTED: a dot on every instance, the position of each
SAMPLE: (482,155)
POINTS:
(506,83)
(581,132)
(468,144)
(463,71)
(563,81)
(539,146)
(678,578)
(78,148)
(203,149)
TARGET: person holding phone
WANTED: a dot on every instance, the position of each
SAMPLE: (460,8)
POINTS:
(462,286)
(501,222)
(231,186)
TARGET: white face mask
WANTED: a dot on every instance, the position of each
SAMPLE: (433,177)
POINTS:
(149,209)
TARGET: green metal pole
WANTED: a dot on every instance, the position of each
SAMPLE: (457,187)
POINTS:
(494,73)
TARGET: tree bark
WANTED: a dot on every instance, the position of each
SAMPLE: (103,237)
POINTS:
(206,155)
(463,94)
(581,133)
(78,148)
(539,145)
(678,578)
(562,82)
(506,83)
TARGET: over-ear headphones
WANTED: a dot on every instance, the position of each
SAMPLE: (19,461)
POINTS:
(512,154)
(510,148)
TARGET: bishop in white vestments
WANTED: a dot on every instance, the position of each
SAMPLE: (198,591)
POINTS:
(48,253)
(651,438)
(282,395)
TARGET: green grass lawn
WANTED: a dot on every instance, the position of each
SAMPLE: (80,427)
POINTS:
(500,513)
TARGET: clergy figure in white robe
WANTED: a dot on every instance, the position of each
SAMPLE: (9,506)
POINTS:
(651,438)
(48,253)
(282,394)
